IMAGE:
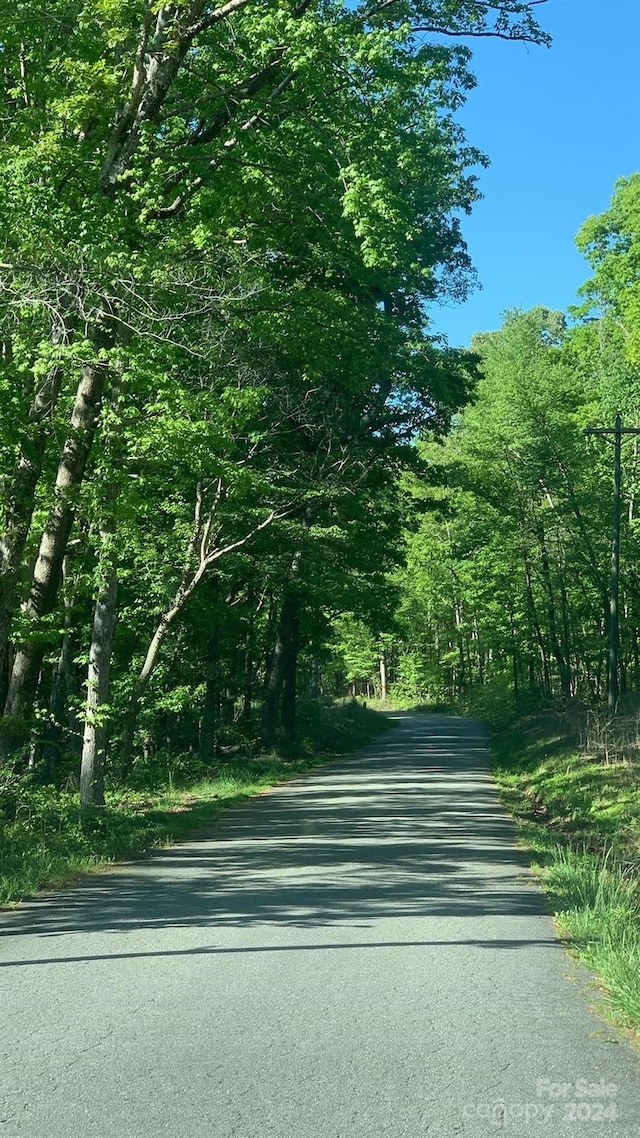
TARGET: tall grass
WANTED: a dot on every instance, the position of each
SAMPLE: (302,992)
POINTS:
(598,911)
(579,813)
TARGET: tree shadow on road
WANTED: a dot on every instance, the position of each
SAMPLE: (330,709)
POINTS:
(410,827)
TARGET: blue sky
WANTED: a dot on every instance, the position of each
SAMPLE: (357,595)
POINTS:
(560,126)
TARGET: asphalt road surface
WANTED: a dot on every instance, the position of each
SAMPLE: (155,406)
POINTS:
(360,953)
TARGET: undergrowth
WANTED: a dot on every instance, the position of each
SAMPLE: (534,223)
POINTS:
(580,817)
(44,842)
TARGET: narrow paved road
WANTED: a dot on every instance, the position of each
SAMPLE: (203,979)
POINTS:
(361,953)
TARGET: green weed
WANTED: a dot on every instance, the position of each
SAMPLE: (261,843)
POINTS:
(580,817)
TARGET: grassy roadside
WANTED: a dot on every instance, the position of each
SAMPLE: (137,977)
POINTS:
(44,844)
(580,817)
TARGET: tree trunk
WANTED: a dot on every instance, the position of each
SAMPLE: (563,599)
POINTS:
(19,508)
(279,665)
(191,578)
(48,569)
(315,683)
(186,588)
(479,658)
(291,635)
(232,686)
(533,615)
(211,701)
(52,743)
(383,674)
(6,661)
(552,621)
(272,690)
(248,678)
(95,730)
(462,672)
(212,693)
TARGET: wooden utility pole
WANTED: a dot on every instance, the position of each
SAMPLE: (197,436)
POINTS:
(614,617)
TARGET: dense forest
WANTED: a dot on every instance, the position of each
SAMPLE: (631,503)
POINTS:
(237,468)
(507,587)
